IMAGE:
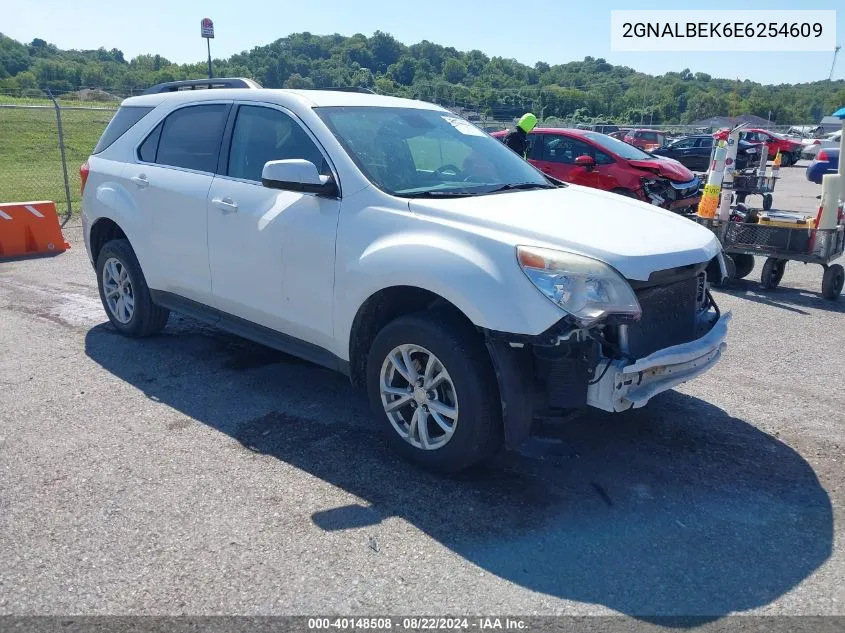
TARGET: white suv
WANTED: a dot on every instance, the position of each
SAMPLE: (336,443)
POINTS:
(397,243)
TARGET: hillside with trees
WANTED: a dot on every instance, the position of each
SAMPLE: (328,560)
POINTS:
(588,90)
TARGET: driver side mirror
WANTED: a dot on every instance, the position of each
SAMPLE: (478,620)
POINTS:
(297,175)
(585,161)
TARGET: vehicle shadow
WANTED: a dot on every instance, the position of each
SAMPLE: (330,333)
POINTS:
(677,510)
(795,300)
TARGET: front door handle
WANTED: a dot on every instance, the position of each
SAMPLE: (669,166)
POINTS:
(141,181)
(225,204)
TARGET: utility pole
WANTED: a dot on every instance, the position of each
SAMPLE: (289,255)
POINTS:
(207,31)
(833,65)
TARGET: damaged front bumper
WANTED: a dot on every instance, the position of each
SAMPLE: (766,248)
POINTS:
(551,376)
(625,385)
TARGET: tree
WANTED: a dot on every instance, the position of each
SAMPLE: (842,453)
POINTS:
(403,71)
(385,50)
(297,81)
(454,70)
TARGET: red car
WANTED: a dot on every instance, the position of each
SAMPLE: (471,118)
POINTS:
(646,140)
(596,160)
(790,151)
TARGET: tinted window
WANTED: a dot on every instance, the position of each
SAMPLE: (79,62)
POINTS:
(191,137)
(648,136)
(264,134)
(705,141)
(686,143)
(148,149)
(121,123)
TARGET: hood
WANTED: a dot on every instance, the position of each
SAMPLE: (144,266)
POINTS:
(635,238)
(666,167)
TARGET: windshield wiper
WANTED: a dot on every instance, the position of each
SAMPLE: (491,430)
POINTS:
(521,185)
(439,193)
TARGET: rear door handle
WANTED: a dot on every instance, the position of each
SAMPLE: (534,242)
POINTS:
(225,204)
(141,181)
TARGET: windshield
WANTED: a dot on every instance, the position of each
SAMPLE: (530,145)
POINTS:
(620,148)
(414,152)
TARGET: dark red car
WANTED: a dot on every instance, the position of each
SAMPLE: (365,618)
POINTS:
(596,160)
(646,140)
(790,151)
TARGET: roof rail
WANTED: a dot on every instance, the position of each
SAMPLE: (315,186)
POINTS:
(202,84)
(349,89)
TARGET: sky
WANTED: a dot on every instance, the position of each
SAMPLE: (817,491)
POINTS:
(554,31)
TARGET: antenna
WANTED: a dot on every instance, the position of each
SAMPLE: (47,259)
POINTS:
(835,53)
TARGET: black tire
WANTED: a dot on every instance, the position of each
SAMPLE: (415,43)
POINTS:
(767,201)
(772,273)
(478,428)
(744,265)
(740,197)
(147,318)
(832,282)
(786,159)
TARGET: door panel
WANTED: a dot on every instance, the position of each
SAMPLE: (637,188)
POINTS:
(170,183)
(271,251)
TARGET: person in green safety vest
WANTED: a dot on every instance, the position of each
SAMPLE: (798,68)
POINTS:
(518,139)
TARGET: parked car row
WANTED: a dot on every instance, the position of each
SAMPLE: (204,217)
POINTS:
(694,152)
(812,146)
(464,291)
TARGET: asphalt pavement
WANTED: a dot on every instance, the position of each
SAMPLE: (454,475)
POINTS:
(197,473)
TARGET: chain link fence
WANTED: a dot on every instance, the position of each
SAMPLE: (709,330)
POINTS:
(42,145)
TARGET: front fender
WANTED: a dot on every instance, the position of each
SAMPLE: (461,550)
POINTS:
(486,285)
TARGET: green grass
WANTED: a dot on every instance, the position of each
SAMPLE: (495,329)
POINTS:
(30,161)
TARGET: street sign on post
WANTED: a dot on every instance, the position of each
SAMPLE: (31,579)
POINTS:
(207,28)
(207,31)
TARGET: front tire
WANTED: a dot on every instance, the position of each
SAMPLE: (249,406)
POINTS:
(124,292)
(832,282)
(431,385)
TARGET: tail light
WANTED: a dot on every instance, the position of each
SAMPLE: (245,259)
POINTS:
(823,155)
(83,176)
(817,142)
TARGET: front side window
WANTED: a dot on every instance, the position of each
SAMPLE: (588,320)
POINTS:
(558,148)
(686,143)
(190,137)
(263,134)
(418,152)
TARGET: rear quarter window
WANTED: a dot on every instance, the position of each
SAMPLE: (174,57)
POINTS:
(123,121)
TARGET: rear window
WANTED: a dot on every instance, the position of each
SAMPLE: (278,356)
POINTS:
(121,123)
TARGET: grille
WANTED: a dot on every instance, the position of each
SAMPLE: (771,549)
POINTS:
(668,317)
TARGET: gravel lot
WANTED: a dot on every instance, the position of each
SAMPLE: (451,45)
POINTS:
(196,473)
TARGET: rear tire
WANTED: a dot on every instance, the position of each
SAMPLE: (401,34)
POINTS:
(767,201)
(469,390)
(786,159)
(832,282)
(124,292)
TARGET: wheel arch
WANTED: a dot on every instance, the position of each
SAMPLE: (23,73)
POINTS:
(103,230)
(382,307)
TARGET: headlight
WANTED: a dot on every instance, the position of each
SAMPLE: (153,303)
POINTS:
(586,288)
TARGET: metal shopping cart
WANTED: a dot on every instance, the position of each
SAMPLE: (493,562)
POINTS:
(741,241)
